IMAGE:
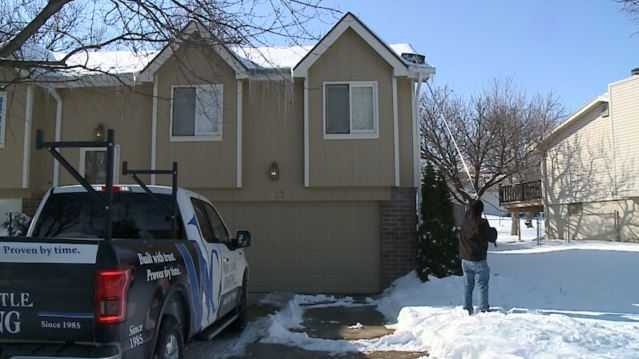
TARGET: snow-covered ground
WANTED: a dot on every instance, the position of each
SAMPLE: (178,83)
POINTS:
(560,300)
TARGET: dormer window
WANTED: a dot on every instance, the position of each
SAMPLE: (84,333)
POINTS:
(196,113)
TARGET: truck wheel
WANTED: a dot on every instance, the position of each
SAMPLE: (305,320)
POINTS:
(242,307)
(170,343)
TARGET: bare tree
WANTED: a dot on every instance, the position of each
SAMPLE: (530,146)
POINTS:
(630,6)
(41,36)
(496,132)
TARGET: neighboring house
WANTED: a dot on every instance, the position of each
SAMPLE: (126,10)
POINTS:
(312,149)
(590,172)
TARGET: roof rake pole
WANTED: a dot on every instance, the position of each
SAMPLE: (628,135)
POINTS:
(450,133)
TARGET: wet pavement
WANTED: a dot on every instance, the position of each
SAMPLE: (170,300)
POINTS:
(350,323)
(327,322)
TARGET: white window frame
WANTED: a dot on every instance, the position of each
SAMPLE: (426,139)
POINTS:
(3,118)
(116,161)
(354,134)
(199,137)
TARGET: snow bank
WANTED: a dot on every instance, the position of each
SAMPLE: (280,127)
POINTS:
(561,300)
(570,300)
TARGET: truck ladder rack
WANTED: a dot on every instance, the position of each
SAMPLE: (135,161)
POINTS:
(126,171)
(108,145)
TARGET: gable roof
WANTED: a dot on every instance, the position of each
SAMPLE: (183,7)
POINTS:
(192,27)
(574,118)
(350,21)
(246,61)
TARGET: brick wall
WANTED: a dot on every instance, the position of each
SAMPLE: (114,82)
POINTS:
(399,234)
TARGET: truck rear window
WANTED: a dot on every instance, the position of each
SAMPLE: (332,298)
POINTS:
(135,215)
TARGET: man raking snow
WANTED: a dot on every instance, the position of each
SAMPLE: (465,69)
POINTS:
(473,248)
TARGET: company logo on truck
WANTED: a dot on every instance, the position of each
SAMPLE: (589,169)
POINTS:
(10,303)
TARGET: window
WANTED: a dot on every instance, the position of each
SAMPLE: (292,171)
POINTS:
(350,110)
(219,230)
(203,220)
(135,216)
(211,225)
(3,116)
(196,113)
(93,164)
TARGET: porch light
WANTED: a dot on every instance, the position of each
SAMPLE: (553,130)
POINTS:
(274,171)
(99,132)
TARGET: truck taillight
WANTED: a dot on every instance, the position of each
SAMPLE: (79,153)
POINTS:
(110,295)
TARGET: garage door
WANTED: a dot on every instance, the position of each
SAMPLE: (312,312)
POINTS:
(310,247)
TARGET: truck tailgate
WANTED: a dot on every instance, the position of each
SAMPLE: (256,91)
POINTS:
(47,290)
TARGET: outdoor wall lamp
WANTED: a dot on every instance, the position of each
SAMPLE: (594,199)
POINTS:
(99,132)
(274,171)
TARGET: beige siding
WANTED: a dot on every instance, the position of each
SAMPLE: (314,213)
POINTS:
(579,167)
(405,111)
(11,154)
(202,164)
(609,220)
(624,111)
(310,247)
(351,162)
(126,111)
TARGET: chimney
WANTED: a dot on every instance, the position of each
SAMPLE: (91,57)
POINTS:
(635,71)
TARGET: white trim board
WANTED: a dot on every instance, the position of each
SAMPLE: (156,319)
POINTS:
(395,132)
(3,118)
(361,134)
(238,173)
(306,136)
(350,21)
(154,128)
(28,122)
(58,132)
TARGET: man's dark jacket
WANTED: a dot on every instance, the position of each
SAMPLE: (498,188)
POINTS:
(474,238)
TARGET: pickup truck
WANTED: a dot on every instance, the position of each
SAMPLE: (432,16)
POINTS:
(163,273)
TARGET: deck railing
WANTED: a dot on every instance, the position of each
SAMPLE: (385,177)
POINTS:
(520,192)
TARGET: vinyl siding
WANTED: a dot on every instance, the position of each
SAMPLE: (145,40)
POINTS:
(579,167)
(608,220)
(624,97)
(126,111)
(202,164)
(351,162)
(11,153)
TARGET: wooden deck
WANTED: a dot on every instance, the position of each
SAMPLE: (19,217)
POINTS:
(522,197)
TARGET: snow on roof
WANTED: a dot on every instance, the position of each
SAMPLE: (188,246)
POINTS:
(118,62)
(254,58)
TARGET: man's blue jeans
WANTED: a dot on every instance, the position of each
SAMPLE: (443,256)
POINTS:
(482,272)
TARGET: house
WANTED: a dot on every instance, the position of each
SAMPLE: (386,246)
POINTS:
(313,149)
(590,171)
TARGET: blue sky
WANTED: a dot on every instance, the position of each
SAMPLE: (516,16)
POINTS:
(573,48)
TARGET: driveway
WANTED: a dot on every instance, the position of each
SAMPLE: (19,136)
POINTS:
(330,323)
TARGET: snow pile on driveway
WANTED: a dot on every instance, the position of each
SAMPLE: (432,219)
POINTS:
(561,300)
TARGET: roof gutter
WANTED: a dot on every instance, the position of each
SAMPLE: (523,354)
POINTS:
(572,119)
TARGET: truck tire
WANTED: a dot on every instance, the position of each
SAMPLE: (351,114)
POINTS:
(170,344)
(242,307)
